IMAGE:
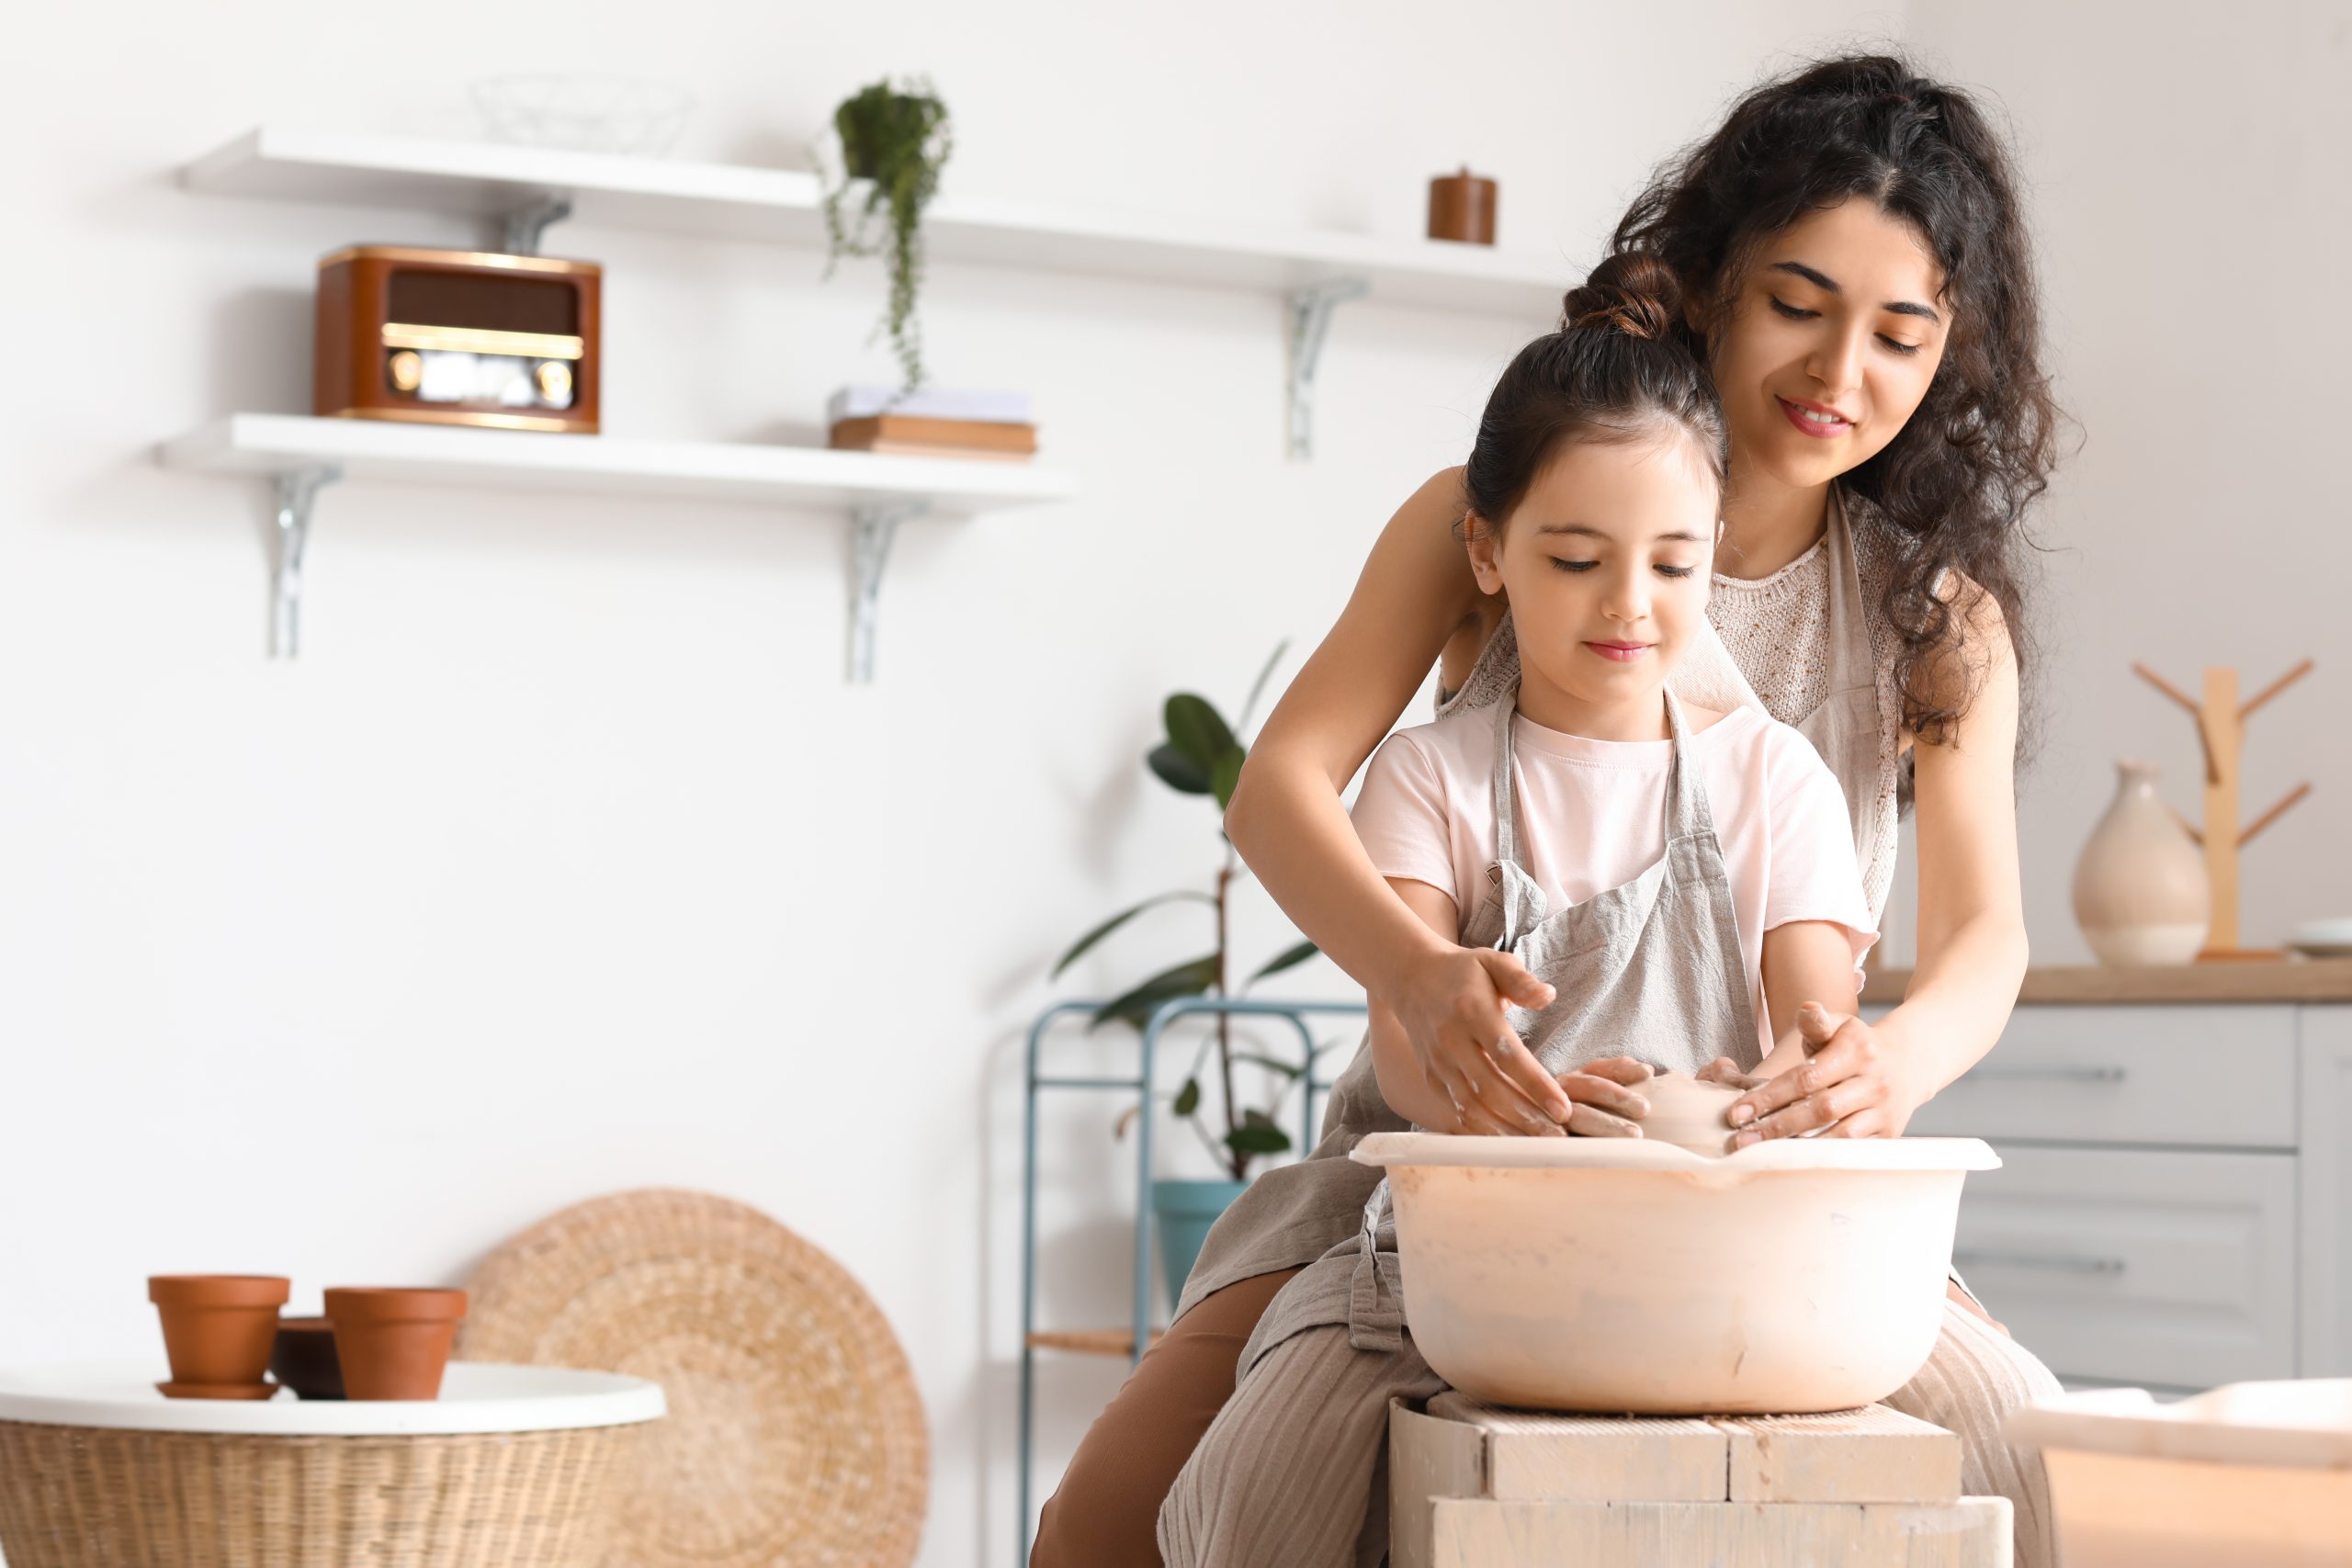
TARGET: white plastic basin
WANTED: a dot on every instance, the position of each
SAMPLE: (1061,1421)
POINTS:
(2251,1476)
(1628,1275)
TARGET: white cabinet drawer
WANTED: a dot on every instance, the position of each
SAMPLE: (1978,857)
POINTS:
(2219,1076)
(2147,1268)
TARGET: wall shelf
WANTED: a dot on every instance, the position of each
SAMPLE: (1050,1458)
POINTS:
(516,191)
(303,455)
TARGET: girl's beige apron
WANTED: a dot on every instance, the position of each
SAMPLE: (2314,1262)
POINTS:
(1650,970)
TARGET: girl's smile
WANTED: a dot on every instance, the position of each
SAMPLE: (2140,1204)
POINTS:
(1622,652)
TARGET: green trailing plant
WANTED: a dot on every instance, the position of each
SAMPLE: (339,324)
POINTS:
(1200,754)
(896,139)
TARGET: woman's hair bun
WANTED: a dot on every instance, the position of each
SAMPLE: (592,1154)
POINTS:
(1630,293)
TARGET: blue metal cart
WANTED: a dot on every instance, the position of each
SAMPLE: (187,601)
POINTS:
(1139,1338)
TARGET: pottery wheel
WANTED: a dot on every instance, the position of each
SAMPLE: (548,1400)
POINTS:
(796,1437)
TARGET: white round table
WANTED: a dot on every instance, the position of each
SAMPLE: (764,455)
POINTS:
(99,1470)
(476,1397)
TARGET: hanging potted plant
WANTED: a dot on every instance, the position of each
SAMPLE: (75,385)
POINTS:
(894,142)
(1200,754)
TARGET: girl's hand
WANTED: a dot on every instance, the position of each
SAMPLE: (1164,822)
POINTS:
(1725,1071)
(1606,1104)
(1451,1005)
(1846,1087)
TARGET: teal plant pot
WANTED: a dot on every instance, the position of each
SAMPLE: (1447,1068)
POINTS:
(1184,1212)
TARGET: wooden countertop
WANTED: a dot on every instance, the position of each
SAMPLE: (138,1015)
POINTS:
(2236,980)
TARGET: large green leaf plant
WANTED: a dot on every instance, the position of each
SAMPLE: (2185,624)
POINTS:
(1201,754)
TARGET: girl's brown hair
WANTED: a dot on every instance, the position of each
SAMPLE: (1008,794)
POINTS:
(1618,370)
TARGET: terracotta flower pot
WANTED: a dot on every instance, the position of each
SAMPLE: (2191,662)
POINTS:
(305,1360)
(392,1343)
(218,1328)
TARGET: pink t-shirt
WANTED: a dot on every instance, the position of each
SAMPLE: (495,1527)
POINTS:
(1591,818)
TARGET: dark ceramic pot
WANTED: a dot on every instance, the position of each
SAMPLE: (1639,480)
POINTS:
(303,1359)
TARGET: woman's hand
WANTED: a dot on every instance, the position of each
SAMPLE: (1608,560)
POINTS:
(1846,1087)
(1451,1007)
(1604,1094)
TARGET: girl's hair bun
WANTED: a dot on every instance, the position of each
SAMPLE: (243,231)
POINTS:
(1631,294)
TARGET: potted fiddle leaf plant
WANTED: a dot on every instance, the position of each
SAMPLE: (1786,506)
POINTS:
(894,142)
(1201,754)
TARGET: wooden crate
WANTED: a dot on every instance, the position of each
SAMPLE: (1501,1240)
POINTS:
(1476,1487)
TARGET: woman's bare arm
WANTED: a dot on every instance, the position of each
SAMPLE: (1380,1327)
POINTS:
(1972,920)
(1287,821)
(1285,818)
(1971,954)
(1404,1085)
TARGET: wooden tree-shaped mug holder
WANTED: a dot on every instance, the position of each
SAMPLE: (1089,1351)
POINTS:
(2220,729)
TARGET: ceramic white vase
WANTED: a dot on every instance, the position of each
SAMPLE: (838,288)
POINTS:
(2141,892)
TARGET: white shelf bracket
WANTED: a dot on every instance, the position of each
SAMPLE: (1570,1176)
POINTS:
(524,228)
(297,492)
(873,525)
(1310,317)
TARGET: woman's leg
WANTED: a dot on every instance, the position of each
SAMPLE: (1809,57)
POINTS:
(1976,1376)
(1294,1472)
(1105,1511)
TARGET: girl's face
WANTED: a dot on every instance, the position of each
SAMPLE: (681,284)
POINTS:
(1835,333)
(1606,561)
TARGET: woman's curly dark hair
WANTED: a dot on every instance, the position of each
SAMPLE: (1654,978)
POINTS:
(1955,482)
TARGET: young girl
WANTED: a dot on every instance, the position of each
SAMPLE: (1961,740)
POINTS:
(1682,877)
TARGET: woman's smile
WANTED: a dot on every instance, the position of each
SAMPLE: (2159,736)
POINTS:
(1816,420)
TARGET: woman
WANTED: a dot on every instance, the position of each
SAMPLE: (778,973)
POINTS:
(1861,289)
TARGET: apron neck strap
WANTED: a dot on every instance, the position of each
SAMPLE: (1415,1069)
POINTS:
(1686,796)
(1506,798)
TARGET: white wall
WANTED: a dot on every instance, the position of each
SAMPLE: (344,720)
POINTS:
(563,860)
(2194,213)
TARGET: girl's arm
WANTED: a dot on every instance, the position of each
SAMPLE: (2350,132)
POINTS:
(1286,819)
(1805,961)
(1972,924)
(1603,1103)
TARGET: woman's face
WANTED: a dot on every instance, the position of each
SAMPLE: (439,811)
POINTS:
(1606,562)
(1834,335)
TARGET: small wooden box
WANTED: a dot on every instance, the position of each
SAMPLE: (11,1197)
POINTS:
(458,337)
(1473,1485)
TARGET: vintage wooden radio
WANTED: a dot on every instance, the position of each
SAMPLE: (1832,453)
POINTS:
(458,337)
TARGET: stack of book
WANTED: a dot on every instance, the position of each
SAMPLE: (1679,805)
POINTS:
(932,422)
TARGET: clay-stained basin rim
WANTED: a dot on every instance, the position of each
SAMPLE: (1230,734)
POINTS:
(1644,1153)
